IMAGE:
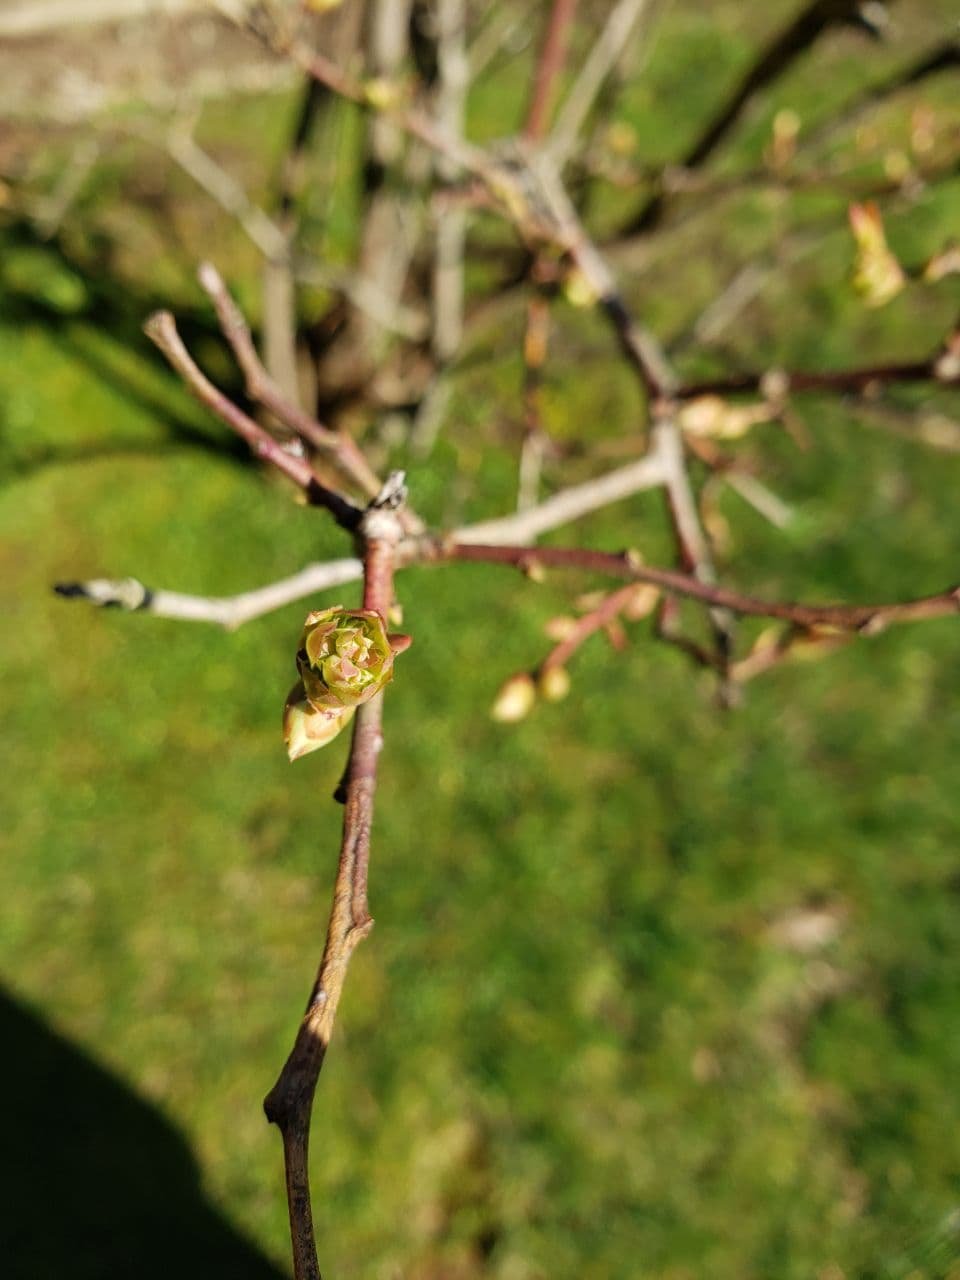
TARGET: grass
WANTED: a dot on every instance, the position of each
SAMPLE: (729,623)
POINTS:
(583,1038)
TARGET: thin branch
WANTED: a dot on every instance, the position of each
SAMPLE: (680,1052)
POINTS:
(232,611)
(534,436)
(290,1101)
(607,49)
(224,189)
(695,553)
(451,97)
(341,449)
(553,55)
(569,504)
(777,56)
(229,612)
(161,329)
(497,32)
(866,618)
(936,369)
(609,608)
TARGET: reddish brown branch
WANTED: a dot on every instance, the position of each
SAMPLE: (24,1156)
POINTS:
(553,55)
(867,618)
(290,1101)
(340,449)
(161,329)
(606,611)
(842,380)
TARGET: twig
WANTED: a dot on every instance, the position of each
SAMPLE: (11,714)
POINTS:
(161,329)
(607,49)
(451,96)
(569,504)
(289,1103)
(223,188)
(499,28)
(341,449)
(866,618)
(860,379)
(757,495)
(534,437)
(609,608)
(229,612)
(773,61)
(695,553)
(770,651)
(553,55)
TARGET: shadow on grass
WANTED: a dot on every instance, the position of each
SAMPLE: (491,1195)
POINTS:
(94,1183)
(107,306)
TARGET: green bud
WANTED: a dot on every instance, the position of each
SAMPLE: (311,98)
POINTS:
(305,728)
(345,657)
(515,700)
(553,683)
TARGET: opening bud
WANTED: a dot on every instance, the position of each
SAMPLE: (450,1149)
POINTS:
(306,729)
(345,657)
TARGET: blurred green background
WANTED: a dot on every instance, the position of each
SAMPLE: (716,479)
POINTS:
(655,990)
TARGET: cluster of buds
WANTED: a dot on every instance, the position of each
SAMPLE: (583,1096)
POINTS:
(345,657)
(518,695)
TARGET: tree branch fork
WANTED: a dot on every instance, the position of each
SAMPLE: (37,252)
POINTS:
(330,470)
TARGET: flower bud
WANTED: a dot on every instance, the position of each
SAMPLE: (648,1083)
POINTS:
(553,683)
(877,276)
(305,728)
(345,657)
(515,700)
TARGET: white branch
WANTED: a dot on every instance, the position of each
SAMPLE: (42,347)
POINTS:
(227,192)
(600,61)
(226,611)
(569,504)
(232,611)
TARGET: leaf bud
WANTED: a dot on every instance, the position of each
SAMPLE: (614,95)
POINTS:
(305,728)
(515,699)
(553,683)
(344,658)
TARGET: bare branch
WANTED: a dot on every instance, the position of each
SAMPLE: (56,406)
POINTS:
(596,619)
(606,51)
(553,55)
(342,450)
(229,612)
(161,329)
(939,368)
(290,1101)
(777,56)
(569,504)
(867,618)
(223,188)
(451,98)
